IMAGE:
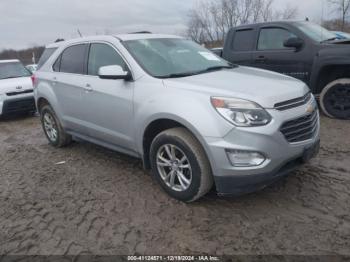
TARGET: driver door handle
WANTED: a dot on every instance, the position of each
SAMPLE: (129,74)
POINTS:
(88,88)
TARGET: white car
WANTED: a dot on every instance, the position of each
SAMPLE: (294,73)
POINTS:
(16,88)
(32,68)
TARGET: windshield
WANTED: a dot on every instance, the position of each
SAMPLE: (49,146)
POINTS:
(316,32)
(13,70)
(173,57)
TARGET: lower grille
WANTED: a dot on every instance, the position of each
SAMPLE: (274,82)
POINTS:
(301,129)
(18,106)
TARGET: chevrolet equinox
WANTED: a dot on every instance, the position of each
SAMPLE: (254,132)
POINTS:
(194,119)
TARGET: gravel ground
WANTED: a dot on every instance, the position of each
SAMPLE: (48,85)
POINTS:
(102,202)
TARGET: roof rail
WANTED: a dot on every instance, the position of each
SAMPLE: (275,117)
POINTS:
(141,32)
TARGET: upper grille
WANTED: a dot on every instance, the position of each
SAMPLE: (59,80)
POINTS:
(293,102)
(20,92)
(301,129)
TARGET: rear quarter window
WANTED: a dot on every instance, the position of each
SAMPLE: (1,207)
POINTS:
(45,56)
(243,40)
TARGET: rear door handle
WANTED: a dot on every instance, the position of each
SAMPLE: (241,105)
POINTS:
(88,88)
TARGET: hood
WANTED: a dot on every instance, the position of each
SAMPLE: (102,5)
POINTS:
(336,50)
(260,86)
(19,84)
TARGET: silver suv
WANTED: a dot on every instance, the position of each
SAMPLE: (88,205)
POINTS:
(194,119)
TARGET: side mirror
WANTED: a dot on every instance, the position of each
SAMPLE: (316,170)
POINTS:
(113,72)
(294,42)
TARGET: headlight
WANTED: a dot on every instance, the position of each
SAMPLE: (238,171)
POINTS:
(242,113)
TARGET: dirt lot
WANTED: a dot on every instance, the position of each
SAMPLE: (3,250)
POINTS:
(102,202)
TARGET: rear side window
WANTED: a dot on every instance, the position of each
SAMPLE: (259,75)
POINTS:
(243,40)
(273,38)
(103,55)
(45,56)
(72,60)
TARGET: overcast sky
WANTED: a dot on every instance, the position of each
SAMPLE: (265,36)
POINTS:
(26,23)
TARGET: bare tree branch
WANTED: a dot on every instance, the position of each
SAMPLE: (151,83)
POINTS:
(210,20)
(343,7)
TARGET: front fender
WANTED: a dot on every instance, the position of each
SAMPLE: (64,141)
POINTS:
(326,58)
(193,110)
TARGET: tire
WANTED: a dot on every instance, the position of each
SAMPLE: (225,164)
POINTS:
(62,138)
(335,99)
(193,177)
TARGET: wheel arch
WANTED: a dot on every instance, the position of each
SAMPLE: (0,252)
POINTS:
(158,125)
(329,73)
(41,102)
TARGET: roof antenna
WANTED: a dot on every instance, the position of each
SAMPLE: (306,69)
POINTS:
(79,33)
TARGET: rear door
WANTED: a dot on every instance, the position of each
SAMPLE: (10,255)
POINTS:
(69,83)
(271,54)
(239,46)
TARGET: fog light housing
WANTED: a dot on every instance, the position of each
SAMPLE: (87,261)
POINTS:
(241,158)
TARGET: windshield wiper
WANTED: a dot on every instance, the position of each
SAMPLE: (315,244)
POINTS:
(9,77)
(178,75)
(330,39)
(209,69)
(216,68)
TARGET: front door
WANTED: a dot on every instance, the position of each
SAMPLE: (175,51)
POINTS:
(108,104)
(271,54)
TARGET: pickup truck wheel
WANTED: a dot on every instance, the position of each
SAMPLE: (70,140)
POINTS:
(180,165)
(335,99)
(53,128)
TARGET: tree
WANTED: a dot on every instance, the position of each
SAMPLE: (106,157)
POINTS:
(209,20)
(343,7)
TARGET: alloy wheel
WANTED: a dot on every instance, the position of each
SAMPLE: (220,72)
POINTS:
(50,127)
(174,167)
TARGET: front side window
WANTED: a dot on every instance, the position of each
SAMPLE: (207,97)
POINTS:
(103,55)
(243,40)
(173,57)
(273,38)
(13,70)
(73,59)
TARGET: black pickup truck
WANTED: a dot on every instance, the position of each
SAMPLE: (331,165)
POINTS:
(303,50)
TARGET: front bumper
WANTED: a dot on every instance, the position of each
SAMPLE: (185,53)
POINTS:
(243,184)
(282,157)
(17,105)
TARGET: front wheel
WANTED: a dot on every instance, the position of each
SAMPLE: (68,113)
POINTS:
(335,99)
(180,165)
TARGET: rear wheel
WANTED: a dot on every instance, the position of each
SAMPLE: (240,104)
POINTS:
(335,99)
(53,128)
(180,165)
